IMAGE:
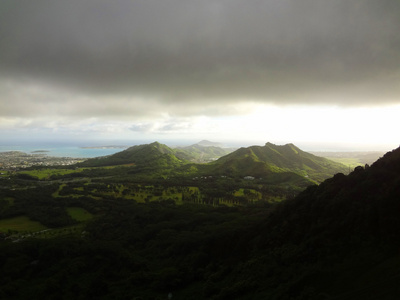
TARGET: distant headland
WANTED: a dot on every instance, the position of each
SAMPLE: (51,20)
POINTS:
(40,151)
(105,147)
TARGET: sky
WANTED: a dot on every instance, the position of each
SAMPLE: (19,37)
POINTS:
(322,74)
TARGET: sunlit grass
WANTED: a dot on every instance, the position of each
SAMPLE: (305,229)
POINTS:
(57,193)
(47,173)
(21,223)
(248,193)
(79,214)
(347,161)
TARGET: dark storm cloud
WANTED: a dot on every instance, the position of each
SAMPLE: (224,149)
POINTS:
(182,52)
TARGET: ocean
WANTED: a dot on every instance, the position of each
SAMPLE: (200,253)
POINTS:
(65,151)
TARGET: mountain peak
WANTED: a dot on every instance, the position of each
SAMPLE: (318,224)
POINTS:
(274,145)
(146,154)
(261,160)
(206,143)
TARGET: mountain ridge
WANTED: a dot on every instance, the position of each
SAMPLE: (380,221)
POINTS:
(286,167)
(207,143)
(146,154)
(274,158)
(336,240)
(202,152)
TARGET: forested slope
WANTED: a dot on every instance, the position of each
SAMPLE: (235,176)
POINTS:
(151,155)
(269,159)
(338,240)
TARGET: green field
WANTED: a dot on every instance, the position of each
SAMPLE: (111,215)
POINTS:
(351,162)
(79,214)
(21,223)
(250,193)
(57,193)
(47,173)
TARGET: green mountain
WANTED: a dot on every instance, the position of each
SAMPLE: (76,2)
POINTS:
(337,240)
(262,161)
(272,164)
(206,143)
(202,152)
(156,154)
(149,155)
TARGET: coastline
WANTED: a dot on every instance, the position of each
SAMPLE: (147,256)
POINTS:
(64,151)
(105,147)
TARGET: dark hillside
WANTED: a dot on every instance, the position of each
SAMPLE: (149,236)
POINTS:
(366,202)
(344,234)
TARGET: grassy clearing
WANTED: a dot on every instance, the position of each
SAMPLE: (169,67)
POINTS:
(44,174)
(193,189)
(47,173)
(171,193)
(276,199)
(20,224)
(150,193)
(113,167)
(79,214)
(347,161)
(57,193)
(248,193)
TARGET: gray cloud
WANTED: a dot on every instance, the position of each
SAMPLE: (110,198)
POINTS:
(175,126)
(197,56)
(165,126)
(142,127)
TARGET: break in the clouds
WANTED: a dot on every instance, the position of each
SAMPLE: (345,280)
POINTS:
(144,60)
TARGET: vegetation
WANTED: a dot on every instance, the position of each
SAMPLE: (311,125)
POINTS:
(48,173)
(130,233)
(272,160)
(352,159)
(199,153)
(270,163)
(20,224)
(151,155)
(79,214)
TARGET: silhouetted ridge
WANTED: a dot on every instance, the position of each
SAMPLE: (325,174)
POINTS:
(362,205)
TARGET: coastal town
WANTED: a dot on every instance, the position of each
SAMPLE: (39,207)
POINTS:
(15,160)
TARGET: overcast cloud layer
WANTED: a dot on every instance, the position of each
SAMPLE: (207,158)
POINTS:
(165,61)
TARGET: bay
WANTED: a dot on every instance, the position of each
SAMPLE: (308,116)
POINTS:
(65,151)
